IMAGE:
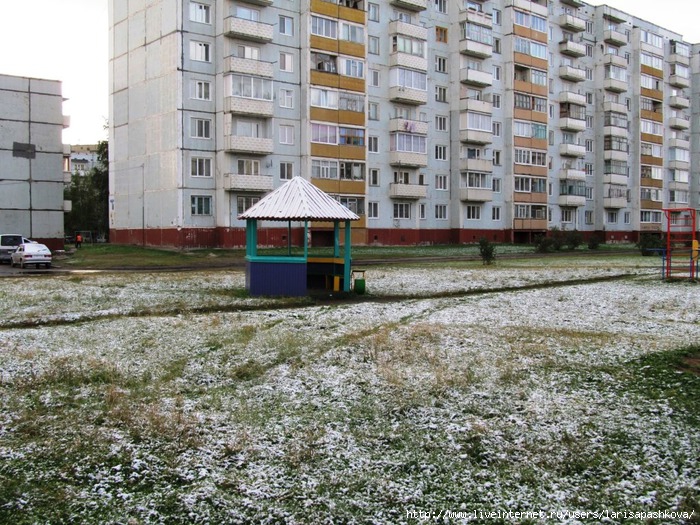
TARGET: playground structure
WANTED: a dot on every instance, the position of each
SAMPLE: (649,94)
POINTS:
(680,255)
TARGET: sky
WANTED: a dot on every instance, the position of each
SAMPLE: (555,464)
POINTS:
(67,40)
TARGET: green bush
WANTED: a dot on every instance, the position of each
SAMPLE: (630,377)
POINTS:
(648,242)
(544,244)
(594,242)
(487,251)
(573,239)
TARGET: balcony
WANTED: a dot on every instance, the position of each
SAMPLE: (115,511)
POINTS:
(614,60)
(675,58)
(248,29)
(248,145)
(682,143)
(572,23)
(475,136)
(612,154)
(532,6)
(475,77)
(615,37)
(679,123)
(615,107)
(407,95)
(569,97)
(399,27)
(615,179)
(416,127)
(482,165)
(679,102)
(573,49)
(263,3)
(571,200)
(614,85)
(249,106)
(679,81)
(573,3)
(475,49)
(245,182)
(615,131)
(407,191)
(574,74)
(410,5)
(571,174)
(678,165)
(476,17)
(472,104)
(408,159)
(408,61)
(572,150)
(572,124)
(475,194)
(614,202)
(247,66)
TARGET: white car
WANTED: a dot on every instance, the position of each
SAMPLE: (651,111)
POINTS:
(33,253)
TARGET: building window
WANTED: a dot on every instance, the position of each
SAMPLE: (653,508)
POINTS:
(201,205)
(497,46)
(440,34)
(247,13)
(200,167)
(324,133)
(200,13)
(611,217)
(248,167)
(496,213)
(473,213)
(568,215)
(496,17)
(589,145)
(286,25)
(496,158)
(201,90)
(496,185)
(440,64)
(441,93)
(440,152)
(496,100)
(441,212)
(286,134)
(373,144)
(372,210)
(286,98)
(373,45)
(245,202)
(373,111)
(324,169)
(402,210)
(497,72)
(200,128)
(373,12)
(374,77)
(441,123)
(200,51)
(324,27)
(441,6)
(496,129)
(374,177)
(441,182)
(286,170)
(287,62)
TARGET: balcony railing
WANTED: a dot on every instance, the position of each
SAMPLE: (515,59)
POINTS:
(247,182)
(248,29)
(407,191)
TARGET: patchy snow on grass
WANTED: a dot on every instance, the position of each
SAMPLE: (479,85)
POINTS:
(551,398)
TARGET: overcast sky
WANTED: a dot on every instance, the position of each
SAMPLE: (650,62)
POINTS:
(66,40)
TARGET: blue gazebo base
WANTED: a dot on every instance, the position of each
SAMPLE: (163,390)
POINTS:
(286,277)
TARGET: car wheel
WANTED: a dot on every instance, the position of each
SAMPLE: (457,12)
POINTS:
(48,265)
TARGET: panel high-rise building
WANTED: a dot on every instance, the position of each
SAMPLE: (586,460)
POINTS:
(436,121)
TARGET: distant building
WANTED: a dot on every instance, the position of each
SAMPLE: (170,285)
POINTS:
(435,121)
(31,159)
(83,157)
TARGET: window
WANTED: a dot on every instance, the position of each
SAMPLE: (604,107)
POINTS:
(201,205)
(497,72)
(287,62)
(200,51)
(497,46)
(496,17)
(402,210)
(409,78)
(200,167)
(200,128)
(496,213)
(441,6)
(286,170)
(496,185)
(408,142)
(440,152)
(351,67)
(440,64)
(568,215)
(251,87)
(496,129)
(408,45)
(440,123)
(441,93)
(324,27)
(200,13)
(650,216)
(350,136)
(286,98)
(441,182)
(373,111)
(247,13)
(373,45)
(373,144)
(201,90)
(324,133)
(441,212)
(496,100)
(248,167)
(479,180)
(372,210)
(286,25)
(248,128)
(373,12)
(245,202)
(421,211)
(351,102)
(286,134)
(249,52)
(440,34)
(496,158)
(473,213)
(324,169)
(324,98)
(374,77)
(374,177)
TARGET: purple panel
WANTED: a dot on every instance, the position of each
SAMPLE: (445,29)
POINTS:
(276,279)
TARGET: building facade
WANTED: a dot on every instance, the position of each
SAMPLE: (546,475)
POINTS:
(436,121)
(31,159)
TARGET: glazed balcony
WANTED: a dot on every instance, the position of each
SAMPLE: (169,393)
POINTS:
(572,49)
(572,23)
(244,29)
(407,191)
(247,182)
(574,74)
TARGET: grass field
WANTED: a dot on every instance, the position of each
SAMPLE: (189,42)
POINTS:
(166,397)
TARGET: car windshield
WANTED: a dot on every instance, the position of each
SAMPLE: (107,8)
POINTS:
(10,240)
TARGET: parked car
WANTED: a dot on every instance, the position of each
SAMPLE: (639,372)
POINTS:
(31,253)
(9,243)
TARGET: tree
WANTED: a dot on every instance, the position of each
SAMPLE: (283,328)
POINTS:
(89,194)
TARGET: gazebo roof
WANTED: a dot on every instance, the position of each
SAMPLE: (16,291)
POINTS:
(298,200)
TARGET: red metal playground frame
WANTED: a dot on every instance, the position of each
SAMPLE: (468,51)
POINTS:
(681,254)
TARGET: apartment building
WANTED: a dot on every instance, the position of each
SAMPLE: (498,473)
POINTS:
(31,159)
(436,121)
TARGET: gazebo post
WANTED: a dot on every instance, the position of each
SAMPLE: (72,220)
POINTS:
(336,239)
(348,258)
(251,237)
(306,240)
(289,237)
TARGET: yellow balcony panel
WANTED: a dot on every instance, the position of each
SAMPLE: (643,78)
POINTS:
(407,191)
(529,224)
(248,29)
(246,182)
(248,145)
(475,194)
(346,187)
(351,83)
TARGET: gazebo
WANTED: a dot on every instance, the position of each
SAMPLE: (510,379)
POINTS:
(290,275)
